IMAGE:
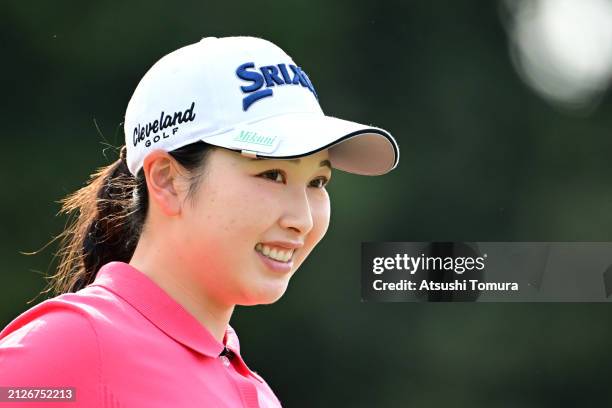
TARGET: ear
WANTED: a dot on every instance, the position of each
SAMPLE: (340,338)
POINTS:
(164,182)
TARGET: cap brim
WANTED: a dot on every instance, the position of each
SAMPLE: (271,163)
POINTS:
(353,147)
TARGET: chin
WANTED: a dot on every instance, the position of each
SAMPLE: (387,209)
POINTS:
(265,296)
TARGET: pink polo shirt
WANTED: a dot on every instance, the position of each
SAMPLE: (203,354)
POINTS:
(122,341)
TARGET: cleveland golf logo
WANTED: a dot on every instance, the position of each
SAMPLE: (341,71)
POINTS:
(269,76)
(166,120)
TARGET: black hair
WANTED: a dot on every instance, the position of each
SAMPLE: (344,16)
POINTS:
(107,216)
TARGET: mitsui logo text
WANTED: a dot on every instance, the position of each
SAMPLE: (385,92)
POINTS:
(255,138)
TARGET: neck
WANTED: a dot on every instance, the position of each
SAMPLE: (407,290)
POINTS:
(212,315)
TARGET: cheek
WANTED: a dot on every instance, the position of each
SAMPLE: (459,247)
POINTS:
(320,217)
(320,210)
(221,231)
(230,218)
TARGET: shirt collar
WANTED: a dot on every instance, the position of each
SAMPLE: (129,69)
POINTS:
(159,308)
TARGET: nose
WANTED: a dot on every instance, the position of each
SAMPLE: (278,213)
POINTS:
(298,214)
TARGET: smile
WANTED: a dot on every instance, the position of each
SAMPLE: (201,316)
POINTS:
(281,255)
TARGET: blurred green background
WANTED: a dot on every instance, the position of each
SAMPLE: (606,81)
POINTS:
(483,158)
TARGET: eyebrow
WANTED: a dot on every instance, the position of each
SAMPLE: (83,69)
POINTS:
(324,163)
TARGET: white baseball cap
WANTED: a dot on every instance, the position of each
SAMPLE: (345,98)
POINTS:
(245,94)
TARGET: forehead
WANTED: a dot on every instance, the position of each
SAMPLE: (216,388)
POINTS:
(318,159)
(321,162)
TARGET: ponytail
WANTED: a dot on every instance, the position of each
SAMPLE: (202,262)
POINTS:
(107,216)
(99,229)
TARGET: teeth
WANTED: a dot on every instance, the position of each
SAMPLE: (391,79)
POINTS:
(274,253)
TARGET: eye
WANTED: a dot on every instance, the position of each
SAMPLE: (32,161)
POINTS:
(320,182)
(274,175)
(278,175)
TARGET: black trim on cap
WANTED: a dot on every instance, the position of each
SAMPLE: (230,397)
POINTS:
(358,132)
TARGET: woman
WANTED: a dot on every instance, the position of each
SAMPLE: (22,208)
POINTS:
(217,198)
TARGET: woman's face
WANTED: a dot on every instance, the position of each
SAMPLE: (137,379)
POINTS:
(247,211)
